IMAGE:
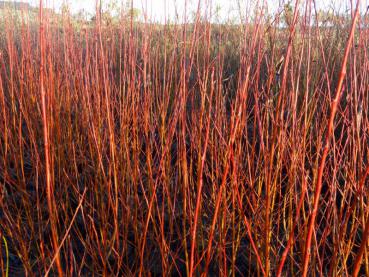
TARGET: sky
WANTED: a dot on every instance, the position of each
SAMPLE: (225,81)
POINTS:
(158,10)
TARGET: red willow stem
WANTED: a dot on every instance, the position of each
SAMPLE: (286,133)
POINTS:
(200,181)
(234,128)
(275,139)
(291,235)
(359,191)
(67,232)
(359,256)
(364,242)
(326,145)
(49,182)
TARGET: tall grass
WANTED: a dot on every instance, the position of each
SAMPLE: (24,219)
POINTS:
(137,148)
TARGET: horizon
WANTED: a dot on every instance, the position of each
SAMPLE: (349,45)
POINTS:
(169,10)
